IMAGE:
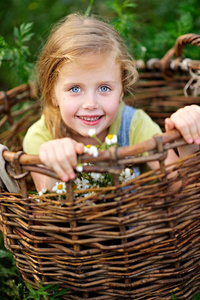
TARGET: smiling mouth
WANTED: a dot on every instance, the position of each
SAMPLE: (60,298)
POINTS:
(90,119)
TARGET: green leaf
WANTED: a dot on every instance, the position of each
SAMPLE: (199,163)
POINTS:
(17,56)
(5,254)
(25,28)
(2,42)
(184,24)
(129,4)
(16,33)
(27,37)
(50,291)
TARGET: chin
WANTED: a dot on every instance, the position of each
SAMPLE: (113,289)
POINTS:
(83,134)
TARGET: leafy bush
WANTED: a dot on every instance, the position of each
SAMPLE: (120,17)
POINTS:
(149,28)
(16,57)
(49,292)
(11,283)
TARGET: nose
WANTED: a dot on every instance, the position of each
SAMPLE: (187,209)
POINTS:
(90,101)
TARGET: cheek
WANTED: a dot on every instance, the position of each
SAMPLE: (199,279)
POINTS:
(68,108)
(111,112)
(112,105)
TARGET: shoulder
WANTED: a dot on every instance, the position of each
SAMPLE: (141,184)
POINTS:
(36,135)
(142,118)
(142,127)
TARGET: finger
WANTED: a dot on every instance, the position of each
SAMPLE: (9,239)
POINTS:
(183,125)
(194,113)
(61,156)
(68,159)
(79,148)
(190,116)
(192,127)
(48,157)
(67,155)
(169,125)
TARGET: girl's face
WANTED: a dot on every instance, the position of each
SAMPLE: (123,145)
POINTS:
(88,93)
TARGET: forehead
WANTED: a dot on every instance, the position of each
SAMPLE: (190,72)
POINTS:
(90,62)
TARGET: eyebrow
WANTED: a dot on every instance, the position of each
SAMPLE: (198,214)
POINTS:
(108,82)
(70,84)
(80,83)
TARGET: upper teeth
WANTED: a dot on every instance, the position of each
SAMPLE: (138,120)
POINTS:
(90,119)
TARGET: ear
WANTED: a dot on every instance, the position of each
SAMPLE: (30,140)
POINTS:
(121,97)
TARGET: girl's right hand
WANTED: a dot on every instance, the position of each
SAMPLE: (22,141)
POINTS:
(61,156)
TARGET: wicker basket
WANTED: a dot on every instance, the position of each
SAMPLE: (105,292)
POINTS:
(136,240)
(170,83)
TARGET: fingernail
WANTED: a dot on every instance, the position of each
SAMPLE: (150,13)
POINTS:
(197,141)
(64,178)
(189,141)
(72,176)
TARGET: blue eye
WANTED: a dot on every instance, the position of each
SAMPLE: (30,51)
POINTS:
(75,89)
(104,89)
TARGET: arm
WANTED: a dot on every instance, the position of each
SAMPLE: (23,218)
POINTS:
(61,156)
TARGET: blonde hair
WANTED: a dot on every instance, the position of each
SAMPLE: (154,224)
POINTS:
(70,38)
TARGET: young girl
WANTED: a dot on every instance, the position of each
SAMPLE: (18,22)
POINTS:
(83,72)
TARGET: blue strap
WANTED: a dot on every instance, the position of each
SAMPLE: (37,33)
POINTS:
(124,130)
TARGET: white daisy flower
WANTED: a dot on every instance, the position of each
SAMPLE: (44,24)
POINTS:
(92,150)
(39,200)
(40,193)
(111,139)
(77,183)
(43,191)
(87,195)
(79,168)
(85,184)
(60,187)
(126,175)
(92,132)
(97,176)
(82,184)
(87,201)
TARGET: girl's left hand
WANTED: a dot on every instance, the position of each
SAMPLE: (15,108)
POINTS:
(187,121)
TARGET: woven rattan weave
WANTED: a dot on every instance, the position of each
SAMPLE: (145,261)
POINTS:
(136,240)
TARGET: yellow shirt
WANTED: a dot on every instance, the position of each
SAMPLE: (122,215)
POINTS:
(142,128)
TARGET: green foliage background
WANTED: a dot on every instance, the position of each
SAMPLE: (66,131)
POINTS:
(149,27)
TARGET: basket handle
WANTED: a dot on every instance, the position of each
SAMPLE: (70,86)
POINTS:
(190,38)
(122,152)
(177,51)
(32,163)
